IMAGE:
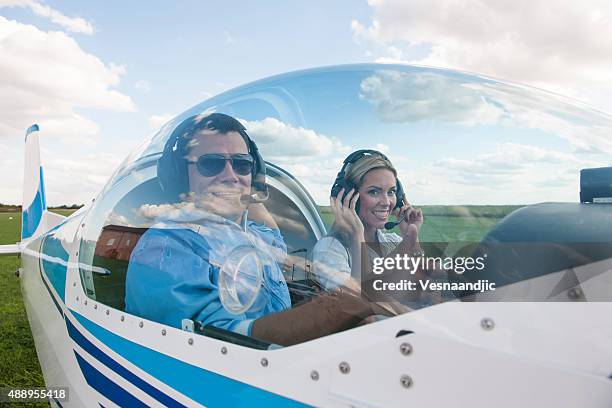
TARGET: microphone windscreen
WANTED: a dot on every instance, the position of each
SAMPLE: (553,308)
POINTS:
(390,225)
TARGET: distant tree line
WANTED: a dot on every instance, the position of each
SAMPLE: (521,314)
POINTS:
(17,208)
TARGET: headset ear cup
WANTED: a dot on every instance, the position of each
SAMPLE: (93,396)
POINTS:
(339,185)
(399,193)
(166,173)
(172,171)
(258,178)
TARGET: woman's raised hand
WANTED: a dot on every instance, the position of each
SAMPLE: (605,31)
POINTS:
(411,225)
(346,220)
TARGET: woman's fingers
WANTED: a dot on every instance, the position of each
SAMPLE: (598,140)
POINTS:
(347,198)
(354,201)
(334,201)
(420,215)
(414,215)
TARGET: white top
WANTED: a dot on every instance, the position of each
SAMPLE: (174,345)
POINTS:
(331,261)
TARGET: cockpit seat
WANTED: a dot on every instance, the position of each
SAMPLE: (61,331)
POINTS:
(112,253)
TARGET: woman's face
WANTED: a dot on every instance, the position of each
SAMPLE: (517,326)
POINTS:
(377,197)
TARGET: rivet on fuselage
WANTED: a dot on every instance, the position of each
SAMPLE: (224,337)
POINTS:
(344,367)
(163,332)
(314,375)
(107,312)
(122,318)
(405,349)
(140,324)
(190,341)
(487,323)
(264,362)
(406,381)
(223,350)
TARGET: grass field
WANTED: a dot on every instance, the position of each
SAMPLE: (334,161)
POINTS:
(18,361)
(452,223)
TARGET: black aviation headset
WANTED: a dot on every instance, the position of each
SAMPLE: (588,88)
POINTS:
(341,181)
(172,165)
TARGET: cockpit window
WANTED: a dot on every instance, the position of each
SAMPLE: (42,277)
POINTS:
(467,190)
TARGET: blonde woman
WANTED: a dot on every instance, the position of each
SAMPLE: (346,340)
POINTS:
(365,194)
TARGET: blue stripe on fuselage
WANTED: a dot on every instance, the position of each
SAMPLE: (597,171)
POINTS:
(106,387)
(118,368)
(201,385)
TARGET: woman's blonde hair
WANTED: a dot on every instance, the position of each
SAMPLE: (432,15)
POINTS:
(356,171)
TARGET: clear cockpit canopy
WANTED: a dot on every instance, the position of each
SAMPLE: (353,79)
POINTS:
(495,168)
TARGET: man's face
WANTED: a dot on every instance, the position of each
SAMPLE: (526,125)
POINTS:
(219,193)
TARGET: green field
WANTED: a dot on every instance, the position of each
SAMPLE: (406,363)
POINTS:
(452,223)
(18,361)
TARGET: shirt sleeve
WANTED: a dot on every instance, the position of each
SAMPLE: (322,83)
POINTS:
(331,262)
(170,279)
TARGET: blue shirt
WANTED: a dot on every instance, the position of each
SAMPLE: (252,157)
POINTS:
(174,270)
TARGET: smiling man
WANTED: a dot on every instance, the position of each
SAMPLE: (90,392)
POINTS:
(211,171)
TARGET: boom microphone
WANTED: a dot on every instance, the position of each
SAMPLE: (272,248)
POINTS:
(391,224)
(248,199)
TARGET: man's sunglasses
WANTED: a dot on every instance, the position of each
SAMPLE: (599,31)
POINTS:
(212,164)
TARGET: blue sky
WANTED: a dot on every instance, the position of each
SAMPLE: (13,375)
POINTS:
(190,50)
(100,76)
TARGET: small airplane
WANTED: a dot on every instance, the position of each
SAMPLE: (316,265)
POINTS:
(542,338)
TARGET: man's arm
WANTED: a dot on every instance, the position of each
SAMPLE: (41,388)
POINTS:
(327,314)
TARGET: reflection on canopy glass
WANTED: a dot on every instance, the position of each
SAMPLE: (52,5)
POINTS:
(250,244)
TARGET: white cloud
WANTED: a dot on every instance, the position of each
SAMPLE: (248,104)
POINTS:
(311,157)
(281,141)
(426,95)
(72,24)
(81,178)
(566,47)
(45,78)
(153,211)
(511,173)
(405,96)
(143,86)
(157,121)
